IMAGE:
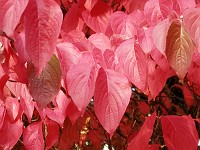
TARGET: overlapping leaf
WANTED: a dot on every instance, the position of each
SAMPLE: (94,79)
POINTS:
(45,87)
(42,23)
(111,97)
(179,48)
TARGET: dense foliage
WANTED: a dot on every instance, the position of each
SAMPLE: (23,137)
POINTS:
(83,74)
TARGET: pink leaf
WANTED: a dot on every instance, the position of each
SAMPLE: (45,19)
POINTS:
(111,97)
(45,87)
(133,62)
(181,5)
(11,132)
(179,132)
(12,107)
(33,137)
(42,24)
(141,140)
(81,81)
(11,11)
(159,35)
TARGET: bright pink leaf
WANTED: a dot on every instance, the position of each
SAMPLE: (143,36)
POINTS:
(179,48)
(140,142)
(133,61)
(179,132)
(52,134)
(11,11)
(81,81)
(159,35)
(33,137)
(42,24)
(12,107)
(11,132)
(45,87)
(111,97)
(191,23)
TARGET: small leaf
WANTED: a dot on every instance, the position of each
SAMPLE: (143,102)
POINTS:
(179,48)
(111,97)
(44,88)
(179,132)
(33,137)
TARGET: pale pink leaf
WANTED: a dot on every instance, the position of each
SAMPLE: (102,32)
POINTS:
(182,5)
(100,41)
(179,132)
(179,48)
(11,132)
(80,81)
(141,140)
(33,137)
(10,13)
(45,87)
(42,24)
(111,97)
(133,61)
(159,35)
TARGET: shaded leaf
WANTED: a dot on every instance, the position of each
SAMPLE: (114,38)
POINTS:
(45,87)
(179,48)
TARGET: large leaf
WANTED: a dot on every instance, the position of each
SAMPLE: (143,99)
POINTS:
(133,61)
(179,48)
(11,11)
(111,97)
(179,132)
(80,81)
(42,24)
(44,88)
(141,140)
(33,137)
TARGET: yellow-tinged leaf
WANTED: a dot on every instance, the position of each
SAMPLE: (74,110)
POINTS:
(179,48)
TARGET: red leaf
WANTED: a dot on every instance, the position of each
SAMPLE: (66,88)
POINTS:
(44,88)
(2,113)
(179,132)
(111,97)
(11,12)
(179,48)
(33,137)
(81,81)
(100,8)
(140,142)
(11,132)
(12,107)
(133,62)
(42,24)
(52,134)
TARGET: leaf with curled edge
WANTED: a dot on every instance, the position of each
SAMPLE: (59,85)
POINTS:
(111,98)
(179,48)
(42,23)
(44,88)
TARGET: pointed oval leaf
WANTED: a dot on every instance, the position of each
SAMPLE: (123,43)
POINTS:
(43,19)
(45,87)
(11,11)
(141,140)
(80,81)
(111,97)
(33,137)
(179,48)
(179,132)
